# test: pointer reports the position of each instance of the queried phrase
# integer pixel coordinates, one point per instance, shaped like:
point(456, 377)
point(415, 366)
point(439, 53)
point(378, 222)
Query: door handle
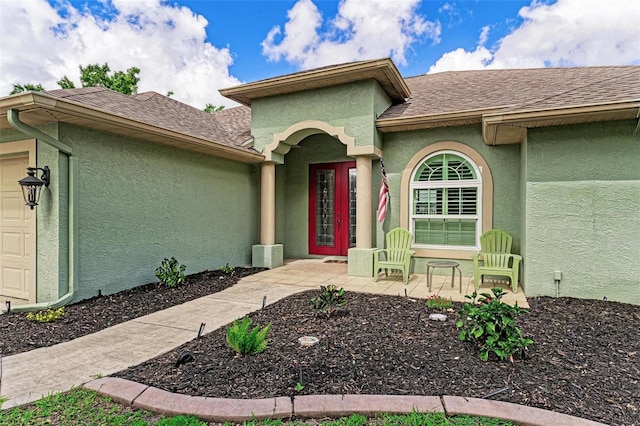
point(339, 221)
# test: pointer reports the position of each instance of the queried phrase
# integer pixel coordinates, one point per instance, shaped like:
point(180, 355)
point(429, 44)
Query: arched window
point(445, 209)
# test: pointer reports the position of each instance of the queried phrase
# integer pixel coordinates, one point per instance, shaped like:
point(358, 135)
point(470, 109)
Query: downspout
point(14, 120)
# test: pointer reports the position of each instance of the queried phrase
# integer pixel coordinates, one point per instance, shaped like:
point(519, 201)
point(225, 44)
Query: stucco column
point(268, 204)
point(363, 202)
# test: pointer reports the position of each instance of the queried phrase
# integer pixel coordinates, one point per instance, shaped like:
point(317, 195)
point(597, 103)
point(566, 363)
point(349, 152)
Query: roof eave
point(511, 127)
point(30, 101)
point(430, 121)
point(383, 70)
point(500, 127)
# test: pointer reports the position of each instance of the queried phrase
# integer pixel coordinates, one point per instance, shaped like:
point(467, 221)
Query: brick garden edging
point(313, 406)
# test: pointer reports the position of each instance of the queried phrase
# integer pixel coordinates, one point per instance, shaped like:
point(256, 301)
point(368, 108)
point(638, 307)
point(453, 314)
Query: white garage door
point(17, 234)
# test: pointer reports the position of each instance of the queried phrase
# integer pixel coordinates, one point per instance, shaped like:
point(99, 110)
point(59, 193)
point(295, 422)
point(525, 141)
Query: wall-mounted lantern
point(31, 185)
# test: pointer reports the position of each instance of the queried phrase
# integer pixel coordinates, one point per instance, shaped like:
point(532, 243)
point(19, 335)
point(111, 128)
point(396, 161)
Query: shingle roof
point(517, 89)
point(229, 127)
point(237, 122)
point(497, 91)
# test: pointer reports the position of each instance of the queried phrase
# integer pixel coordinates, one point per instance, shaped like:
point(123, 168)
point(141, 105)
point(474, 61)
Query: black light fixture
point(31, 185)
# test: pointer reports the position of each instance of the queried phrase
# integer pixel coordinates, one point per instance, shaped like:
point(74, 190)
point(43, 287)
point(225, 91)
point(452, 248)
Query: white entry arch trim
point(282, 142)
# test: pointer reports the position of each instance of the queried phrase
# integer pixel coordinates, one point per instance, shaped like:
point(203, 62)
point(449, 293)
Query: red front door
point(332, 208)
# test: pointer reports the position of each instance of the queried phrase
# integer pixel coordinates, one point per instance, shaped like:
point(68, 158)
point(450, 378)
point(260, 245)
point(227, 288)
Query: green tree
point(19, 88)
point(211, 108)
point(65, 83)
point(95, 75)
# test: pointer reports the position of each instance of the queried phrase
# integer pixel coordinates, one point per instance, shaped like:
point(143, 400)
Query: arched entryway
point(335, 225)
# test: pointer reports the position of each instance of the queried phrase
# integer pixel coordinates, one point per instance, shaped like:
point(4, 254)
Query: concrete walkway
point(28, 376)
point(311, 273)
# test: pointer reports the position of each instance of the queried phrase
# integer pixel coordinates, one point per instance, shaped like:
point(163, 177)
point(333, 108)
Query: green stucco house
point(549, 155)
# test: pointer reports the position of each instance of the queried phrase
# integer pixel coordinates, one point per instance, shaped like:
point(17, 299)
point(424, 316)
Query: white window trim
point(485, 197)
point(471, 183)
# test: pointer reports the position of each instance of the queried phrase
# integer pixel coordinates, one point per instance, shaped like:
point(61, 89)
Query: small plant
point(229, 270)
point(170, 272)
point(46, 316)
point(331, 299)
point(438, 302)
point(299, 387)
point(491, 326)
point(245, 341)
point(3, 399)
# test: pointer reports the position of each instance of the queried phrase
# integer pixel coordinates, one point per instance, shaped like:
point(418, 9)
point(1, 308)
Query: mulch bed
point(585, 360)
point(20, 335)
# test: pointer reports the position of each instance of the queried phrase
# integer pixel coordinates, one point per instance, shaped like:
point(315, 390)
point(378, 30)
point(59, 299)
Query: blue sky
point(243, 25)
point(193, 48)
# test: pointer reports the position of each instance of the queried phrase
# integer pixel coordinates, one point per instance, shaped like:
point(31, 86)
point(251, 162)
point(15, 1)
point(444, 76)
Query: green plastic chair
point(397, 254)
point(497, 260)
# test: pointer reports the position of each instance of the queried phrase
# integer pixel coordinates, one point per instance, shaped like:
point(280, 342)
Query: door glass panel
point(325, 209)
point(352, 207)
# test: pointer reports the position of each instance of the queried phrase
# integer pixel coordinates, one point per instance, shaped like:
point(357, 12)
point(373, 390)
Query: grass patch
point(415, 419)
point(79, 406)
point(82, 406)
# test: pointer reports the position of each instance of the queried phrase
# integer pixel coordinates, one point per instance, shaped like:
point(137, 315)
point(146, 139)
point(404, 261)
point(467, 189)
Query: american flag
point(383, 199)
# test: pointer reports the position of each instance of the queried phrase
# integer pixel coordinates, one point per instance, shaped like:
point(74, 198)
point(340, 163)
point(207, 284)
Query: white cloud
point(484, 36)
point(461, 59)
point(451, 10)
point(41, 43)
point(360, 30)
point(301, 36)
point(565, 33)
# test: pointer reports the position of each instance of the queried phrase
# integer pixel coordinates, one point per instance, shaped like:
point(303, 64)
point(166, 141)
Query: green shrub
point(491, 326)
point(170, 272)
point(244, 341)
point(438, 302)
point(228, 270)
point(331, 299)
point(46, 316)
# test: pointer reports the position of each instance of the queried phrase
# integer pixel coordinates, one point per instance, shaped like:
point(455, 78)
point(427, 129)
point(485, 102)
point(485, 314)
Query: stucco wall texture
point(590, 232)
point(350, 106)
point(582, 211)
point(53, 226)
point(139, 202)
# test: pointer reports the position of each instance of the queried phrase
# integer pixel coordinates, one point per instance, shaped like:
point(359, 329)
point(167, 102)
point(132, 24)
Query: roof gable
point(383, 71)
